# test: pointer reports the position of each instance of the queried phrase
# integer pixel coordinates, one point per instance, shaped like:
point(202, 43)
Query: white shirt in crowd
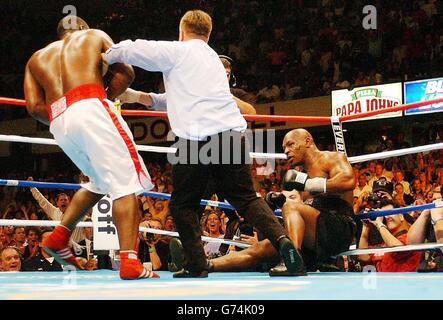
point(54, 213)
point(199, 101)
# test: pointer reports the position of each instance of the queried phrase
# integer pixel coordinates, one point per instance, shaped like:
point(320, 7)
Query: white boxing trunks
point(93, 134)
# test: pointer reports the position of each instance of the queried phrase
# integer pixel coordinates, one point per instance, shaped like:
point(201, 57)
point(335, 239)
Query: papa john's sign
point(365, 99)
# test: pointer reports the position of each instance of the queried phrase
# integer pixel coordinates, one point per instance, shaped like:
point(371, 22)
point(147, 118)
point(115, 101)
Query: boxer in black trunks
point(316, 206)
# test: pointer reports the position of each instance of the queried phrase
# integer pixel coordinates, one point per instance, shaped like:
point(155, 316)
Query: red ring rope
point(20, 102)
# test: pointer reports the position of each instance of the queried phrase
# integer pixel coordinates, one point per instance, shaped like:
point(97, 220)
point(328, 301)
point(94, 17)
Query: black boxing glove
point(300, 181)
point(275, 200)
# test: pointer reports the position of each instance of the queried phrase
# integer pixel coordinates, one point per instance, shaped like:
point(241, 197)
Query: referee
point(202, 111)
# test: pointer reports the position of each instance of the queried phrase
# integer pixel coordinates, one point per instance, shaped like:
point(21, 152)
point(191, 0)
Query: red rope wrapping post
point(20, 102)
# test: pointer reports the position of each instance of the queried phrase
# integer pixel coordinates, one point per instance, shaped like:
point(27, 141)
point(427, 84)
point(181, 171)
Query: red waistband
point(85, 91)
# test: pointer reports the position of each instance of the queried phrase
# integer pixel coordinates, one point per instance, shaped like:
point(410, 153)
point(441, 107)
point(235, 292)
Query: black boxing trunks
point(336, 228)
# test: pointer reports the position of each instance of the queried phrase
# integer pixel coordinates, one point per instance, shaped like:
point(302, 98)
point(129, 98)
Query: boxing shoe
point(293, 264)
point(281, 271)
point(57, 246)
point(131, 268)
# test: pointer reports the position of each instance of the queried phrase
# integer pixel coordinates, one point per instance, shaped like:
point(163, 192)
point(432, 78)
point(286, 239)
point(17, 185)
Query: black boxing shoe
point(281, 271)
point(292, 265)
point(183, 273)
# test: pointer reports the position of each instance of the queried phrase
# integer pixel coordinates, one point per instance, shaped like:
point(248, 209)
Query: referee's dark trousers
point(232, 175)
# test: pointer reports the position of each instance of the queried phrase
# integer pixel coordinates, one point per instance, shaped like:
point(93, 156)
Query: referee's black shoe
point(183, 273)
point(177, 255)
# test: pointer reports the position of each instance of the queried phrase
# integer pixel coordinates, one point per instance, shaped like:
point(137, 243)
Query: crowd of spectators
point(412, 179)
point(281, 49)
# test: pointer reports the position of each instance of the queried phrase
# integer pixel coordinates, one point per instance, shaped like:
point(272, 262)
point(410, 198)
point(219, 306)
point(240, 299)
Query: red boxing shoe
point(57, 246)
point(131, 268)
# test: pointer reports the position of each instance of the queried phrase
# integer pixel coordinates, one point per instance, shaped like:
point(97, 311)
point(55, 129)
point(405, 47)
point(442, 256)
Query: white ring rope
point(241, 244)
point(83, 224)
point(356, 159)
point(256, 155)
point(409, 247)
point(395, 153)
point(14, 138)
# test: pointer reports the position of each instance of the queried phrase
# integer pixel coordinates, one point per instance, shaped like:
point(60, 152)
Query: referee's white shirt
point(199, 101)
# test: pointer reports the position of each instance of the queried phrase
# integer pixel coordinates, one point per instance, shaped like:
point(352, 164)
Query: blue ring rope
point(388, 212)
point(74, 186)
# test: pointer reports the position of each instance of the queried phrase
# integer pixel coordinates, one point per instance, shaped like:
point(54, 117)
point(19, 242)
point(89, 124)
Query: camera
point(378, 200)
point(150, 237)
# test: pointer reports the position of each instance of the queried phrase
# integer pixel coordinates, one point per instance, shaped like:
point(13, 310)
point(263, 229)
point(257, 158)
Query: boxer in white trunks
point(64, 88)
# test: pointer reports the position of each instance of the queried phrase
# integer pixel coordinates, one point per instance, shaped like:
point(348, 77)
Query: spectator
point(213, 228)
point(8, 232)
point(32, 242)
point(10, 259)
point(56, 212)
point(362, 187)
point(3, 240)
point(269, 93)
point(378, 173)
point(158, 208)
point(425, 185)
point(169, 224)
point(416, 190)
point(399, 178)
point(393, 233)
point(401, 199)
point(42, 261)
point(428, 227)
point(151, 248)
point(20, 239)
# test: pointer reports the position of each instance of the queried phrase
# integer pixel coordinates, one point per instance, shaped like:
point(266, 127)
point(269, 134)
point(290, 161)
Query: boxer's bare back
point(66, 64)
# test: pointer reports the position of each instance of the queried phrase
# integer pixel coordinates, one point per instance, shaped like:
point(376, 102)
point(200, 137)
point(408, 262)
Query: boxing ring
point(232, 286)
point(106, 284)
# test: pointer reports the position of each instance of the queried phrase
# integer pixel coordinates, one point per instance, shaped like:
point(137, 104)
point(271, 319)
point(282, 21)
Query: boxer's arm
point(35, 98)
point(245, 108)
point(149, 55)
point(341, 175)
point(116, 77)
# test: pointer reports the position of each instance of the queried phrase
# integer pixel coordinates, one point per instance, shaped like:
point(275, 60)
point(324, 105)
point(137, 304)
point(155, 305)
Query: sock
point(61, 234)
point(128, 254)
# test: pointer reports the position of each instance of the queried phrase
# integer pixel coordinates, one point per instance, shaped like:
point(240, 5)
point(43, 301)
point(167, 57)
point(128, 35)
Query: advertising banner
point(365, 99)
point(424, 90)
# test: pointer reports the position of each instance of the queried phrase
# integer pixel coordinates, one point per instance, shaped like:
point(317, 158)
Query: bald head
point(299, 134)
point(70, 24)
point(296, 143)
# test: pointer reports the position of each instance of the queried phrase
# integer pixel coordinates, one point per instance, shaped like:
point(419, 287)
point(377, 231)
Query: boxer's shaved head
point(70, 24)
point(296, 143)
point(300, 135)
